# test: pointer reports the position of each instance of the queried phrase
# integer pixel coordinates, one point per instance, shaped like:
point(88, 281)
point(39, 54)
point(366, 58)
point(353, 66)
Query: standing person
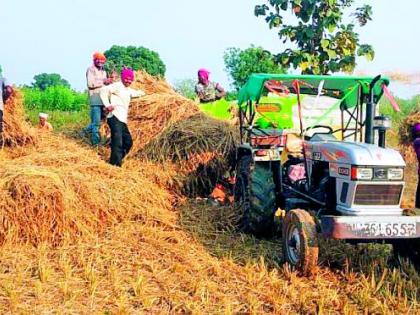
point(116, 98)
point(206, 90)
point(43, 124)
point(96, 78)
point(415, 132)
point(5, 92)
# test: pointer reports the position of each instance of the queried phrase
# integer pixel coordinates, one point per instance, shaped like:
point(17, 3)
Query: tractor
point(313, 163)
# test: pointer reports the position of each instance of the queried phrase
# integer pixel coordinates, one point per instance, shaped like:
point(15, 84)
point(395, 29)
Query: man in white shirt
point(116, 98)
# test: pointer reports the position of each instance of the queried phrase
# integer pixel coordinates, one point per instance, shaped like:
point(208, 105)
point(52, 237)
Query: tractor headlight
point(395, 173)
point(361, 173)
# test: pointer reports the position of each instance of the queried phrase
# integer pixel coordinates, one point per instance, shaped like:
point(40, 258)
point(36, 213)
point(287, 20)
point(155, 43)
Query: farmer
point(5, 92)
point(96, 78)
point(116, 98)
point(206, 90)
point(43, 124)
point(416, 143)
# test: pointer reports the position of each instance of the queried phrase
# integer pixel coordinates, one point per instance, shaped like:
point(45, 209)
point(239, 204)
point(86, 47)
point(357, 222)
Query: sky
point(57, 36)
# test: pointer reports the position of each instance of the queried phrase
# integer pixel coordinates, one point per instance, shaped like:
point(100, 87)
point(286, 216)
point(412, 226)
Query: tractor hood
point(353, 153)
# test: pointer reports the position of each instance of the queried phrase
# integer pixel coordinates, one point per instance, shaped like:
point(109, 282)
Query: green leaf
point(367, 51)
point(331, 53)
point(370, 56)
point(324, 43)
point(331, 28)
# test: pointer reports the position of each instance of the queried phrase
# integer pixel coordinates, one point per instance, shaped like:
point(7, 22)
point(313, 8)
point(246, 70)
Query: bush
point(186, 88)
point(406, 106)
point(54, 98)
point(231, 95)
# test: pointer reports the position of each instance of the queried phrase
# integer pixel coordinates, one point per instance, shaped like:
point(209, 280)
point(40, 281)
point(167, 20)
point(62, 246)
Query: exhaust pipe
point(370, 112)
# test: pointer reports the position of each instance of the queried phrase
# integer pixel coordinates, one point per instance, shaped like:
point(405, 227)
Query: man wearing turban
point(116, 98)
point(96, 78)
point(44, 125)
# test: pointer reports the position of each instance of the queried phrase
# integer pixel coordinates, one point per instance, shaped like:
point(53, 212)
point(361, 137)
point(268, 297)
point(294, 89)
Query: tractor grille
point(385, 195)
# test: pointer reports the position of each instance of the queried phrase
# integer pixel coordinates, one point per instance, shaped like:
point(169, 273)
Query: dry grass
point(109, 240)
point(153, 113)
point(17, 131)
point(405, 146)
point(58, 189)
point(201, 266)
point(203, 147)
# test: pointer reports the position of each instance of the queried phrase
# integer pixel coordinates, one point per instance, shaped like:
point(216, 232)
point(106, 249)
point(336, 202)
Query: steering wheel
point(330, 130)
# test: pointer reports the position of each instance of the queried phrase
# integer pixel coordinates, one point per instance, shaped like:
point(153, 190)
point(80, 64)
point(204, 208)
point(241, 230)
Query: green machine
point(310, 176)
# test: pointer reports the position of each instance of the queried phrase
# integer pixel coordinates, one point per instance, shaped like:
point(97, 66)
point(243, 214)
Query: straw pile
point(58, 190)
point(203, 147)
point(16, 131)
point(153, 113)
point(150, 84)
point(169, 127)
point(405, 138)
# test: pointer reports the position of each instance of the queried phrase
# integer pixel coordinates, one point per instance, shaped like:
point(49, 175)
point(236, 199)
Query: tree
point(137, 58)
point(1, 70)
point(240, 64)
point(44, 80)
point(323, 42)
point(186, 88)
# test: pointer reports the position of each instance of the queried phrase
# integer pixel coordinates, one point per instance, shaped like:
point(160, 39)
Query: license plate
point(382, 229)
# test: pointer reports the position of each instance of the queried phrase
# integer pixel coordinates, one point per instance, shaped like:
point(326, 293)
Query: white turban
point(43, 115)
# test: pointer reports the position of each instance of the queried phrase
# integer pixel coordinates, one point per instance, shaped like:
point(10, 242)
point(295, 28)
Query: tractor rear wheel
point(255, 196)
point(300, 241)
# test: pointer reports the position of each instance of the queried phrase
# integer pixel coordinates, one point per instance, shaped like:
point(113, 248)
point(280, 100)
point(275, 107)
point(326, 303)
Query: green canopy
point(335, 86)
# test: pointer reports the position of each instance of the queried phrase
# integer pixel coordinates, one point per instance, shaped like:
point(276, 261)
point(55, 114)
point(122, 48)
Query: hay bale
point(16, 131)
point(203, 147)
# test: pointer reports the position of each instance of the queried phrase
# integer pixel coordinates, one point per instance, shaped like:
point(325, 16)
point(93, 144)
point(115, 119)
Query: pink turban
point(127, 73)
point(204, 74)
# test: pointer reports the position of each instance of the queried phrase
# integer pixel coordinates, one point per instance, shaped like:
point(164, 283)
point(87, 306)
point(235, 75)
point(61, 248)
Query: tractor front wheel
point(300, 241)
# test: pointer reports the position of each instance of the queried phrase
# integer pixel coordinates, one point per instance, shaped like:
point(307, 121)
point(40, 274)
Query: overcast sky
point(60, 36)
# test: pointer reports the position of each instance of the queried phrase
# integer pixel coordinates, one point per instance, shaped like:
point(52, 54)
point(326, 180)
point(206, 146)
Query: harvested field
point(122, 240)
point(200, 266)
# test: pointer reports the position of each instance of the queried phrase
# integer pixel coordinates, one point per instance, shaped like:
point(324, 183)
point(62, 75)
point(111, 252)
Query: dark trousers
point(418, 194)
point(121, 141)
